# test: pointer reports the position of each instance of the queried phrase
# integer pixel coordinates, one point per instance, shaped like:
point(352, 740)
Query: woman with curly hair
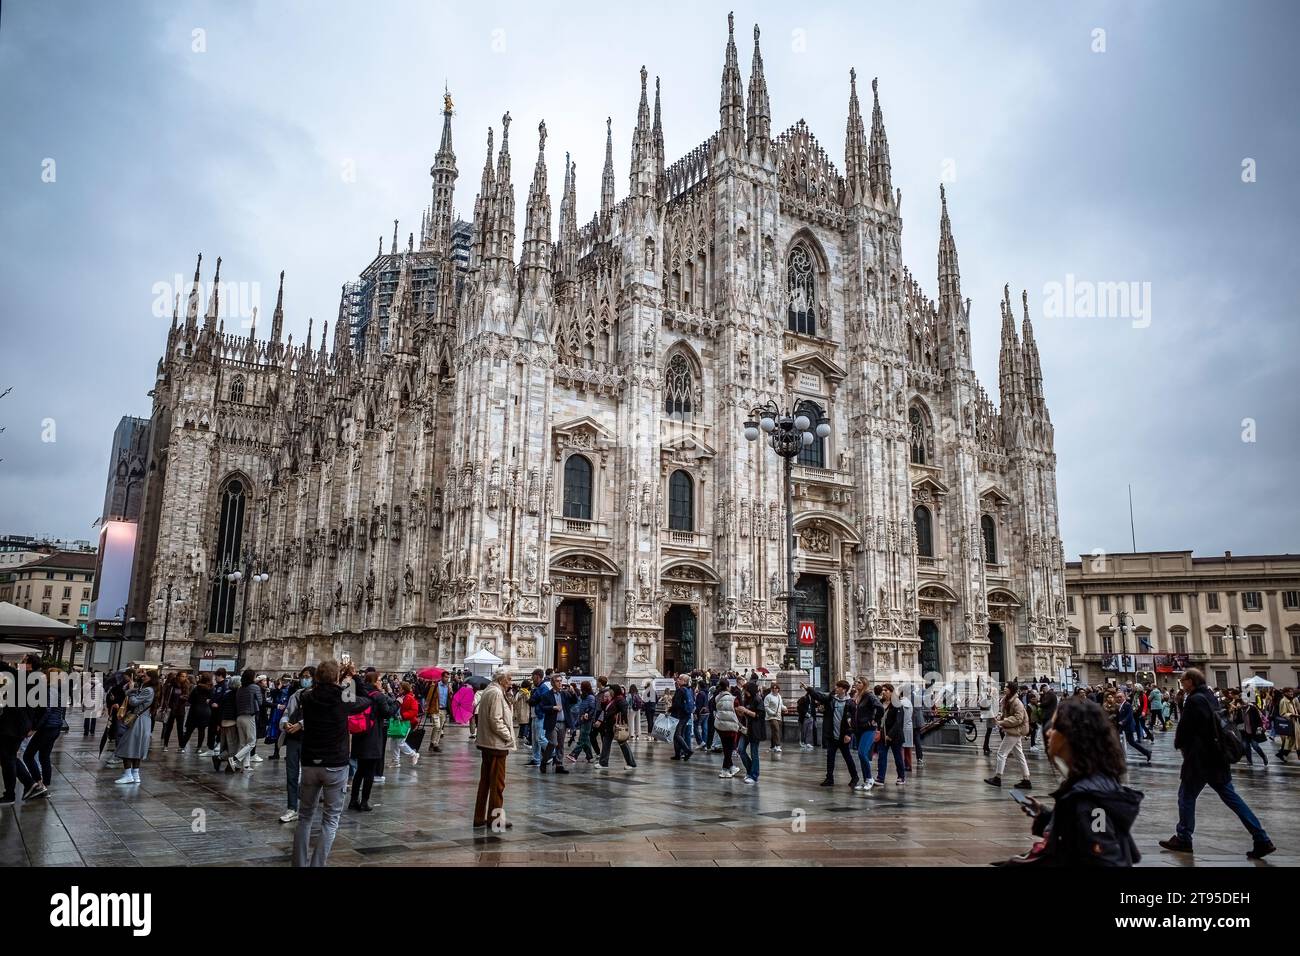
point(1092, 820)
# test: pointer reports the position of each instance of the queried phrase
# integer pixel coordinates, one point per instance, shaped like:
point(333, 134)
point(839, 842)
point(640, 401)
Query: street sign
point(807, 632)
point(805, 658)
point(209, 653)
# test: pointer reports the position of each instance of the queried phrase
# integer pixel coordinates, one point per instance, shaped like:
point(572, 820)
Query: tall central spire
point(731, 109)
point(437, 232)
point(758, 119)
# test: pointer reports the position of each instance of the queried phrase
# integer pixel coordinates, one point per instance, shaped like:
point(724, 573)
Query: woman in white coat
point(904, 701)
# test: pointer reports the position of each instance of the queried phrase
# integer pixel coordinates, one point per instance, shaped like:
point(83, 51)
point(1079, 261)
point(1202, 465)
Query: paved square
point(665, 812)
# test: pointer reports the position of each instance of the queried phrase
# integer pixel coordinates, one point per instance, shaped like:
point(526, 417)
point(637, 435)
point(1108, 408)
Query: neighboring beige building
point(1183, 607)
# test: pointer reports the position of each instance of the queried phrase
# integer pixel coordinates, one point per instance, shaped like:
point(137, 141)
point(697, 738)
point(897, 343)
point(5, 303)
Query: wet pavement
point(664, 813)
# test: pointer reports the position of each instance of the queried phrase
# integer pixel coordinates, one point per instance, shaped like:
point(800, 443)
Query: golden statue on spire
point(446, 100)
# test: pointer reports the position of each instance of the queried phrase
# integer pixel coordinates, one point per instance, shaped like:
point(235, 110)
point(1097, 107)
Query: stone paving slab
point(666, 813)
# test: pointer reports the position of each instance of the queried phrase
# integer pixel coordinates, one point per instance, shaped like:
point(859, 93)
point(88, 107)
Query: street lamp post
point(1123, 622)
point(1235, 633)
point(166, 600)
point(244, 566)
point(788, 432)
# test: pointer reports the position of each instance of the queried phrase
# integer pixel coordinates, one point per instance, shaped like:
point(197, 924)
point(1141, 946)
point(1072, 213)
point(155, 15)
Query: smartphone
point(1022, 798)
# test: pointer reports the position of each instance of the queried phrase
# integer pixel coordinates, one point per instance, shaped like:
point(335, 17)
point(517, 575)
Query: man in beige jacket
point(496, 739)
point(1014, 721)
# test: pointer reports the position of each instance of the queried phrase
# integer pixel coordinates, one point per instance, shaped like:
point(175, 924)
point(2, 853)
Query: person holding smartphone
point(1092, 820)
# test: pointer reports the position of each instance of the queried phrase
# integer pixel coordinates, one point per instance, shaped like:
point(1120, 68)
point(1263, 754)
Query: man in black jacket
point(16, 723)
point(838, 713)
point(323, 726)
point(682, 706)
point(1205, 765)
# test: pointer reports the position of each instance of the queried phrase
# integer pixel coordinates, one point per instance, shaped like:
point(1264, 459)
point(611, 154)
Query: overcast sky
point(290, 135)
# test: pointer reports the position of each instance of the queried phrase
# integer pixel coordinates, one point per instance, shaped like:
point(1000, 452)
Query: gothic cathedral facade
point(545, 457)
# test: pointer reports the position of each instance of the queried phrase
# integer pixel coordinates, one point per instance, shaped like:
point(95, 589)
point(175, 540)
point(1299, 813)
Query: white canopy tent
point(23, 625)
point(1253, 685)
point(482, 662)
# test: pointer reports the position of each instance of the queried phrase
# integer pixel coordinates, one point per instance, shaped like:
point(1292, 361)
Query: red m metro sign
point(807, 632)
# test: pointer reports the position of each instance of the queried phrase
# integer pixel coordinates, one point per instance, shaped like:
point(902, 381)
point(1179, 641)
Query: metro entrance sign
point(807, 632)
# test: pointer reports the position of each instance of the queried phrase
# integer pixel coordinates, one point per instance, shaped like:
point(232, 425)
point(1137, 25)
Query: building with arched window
point(524, 432)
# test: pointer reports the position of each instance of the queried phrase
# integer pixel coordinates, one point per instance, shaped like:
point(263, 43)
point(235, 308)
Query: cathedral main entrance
point(572, 637)
point(997, 656)
point(814, 606)
point(680, 629)
point(930, 663)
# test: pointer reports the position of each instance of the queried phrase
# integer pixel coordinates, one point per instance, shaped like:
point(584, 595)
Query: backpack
point(363, 721)
point(1229, 744)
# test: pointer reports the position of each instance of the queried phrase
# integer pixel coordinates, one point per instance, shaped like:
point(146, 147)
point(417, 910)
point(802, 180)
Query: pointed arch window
point(230, 532)
point(681, 502)
point(924, 531)
point(920, 436)
point(237, 389)
point(801, 284)
point(989, 530)
point(679, 387)
point(577, 487)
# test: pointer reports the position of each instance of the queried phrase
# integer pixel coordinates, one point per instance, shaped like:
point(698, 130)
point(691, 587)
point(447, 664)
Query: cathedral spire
point(1033, 368)
point(341, 327)
point(949, 272)
point(567, 241)
point(879, 155)
point(536, 256)
point(214, 300)
point(436, 234)
point(483, 204)
point(393, 251)
point(192, 307)
point(731, 108)
point(856, 164)
point(643, 147)
point(758, 119)
point(277, 317)
point(503, 239)
point(1011, 377)
point(607, 177)
point(658, 138)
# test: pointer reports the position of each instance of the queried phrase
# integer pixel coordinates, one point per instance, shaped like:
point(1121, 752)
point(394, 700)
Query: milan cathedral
point(544, 456)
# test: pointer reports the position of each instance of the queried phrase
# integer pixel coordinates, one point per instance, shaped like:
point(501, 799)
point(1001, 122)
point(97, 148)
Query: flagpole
point(1131, 529)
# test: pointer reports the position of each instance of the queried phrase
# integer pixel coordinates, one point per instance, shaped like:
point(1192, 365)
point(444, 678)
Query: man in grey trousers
point(325, 751)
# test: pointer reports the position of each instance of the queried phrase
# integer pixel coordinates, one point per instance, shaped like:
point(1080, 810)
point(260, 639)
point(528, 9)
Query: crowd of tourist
point(335, 727)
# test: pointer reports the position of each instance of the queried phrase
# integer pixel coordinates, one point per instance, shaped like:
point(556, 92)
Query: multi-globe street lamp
point(788, 432)
point(236, 569)
point(1122, 621)
point(165, 600)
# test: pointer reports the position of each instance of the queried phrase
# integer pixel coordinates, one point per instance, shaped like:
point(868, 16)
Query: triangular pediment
point(686, 448)
point(815, 363)
point(928, 485)
point(586, 425)
point(994, 495)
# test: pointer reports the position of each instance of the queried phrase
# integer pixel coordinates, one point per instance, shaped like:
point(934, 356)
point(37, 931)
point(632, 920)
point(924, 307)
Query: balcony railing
point(685, 539)
point(578, 527)
point(827, 476)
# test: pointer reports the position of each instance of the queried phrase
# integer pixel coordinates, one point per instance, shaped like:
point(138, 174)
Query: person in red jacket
point(409, 709)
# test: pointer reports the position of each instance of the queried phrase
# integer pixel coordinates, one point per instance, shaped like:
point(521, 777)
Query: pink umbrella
point(462, 705)
point(430, 673)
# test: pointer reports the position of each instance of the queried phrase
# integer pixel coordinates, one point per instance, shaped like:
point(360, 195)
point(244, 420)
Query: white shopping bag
point(664, 728)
